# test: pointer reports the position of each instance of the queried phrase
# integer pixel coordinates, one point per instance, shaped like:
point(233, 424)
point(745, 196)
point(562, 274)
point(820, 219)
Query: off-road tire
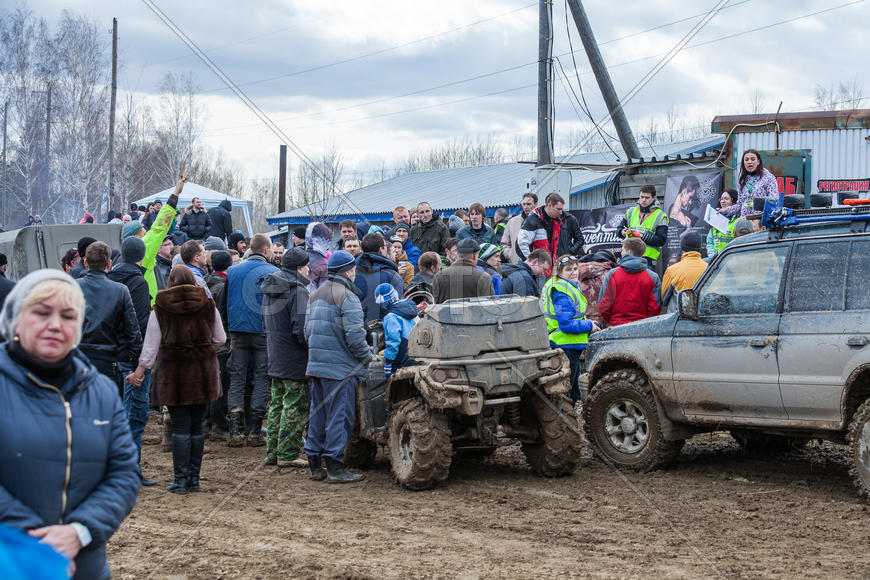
point(859, 450)
point(558, 451)
point(359, 452)
point(617, 391)
point(420, 446)
point(765, 443)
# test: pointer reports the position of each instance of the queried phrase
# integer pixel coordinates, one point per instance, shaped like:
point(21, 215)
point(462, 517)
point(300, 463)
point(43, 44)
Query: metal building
point(815, 152)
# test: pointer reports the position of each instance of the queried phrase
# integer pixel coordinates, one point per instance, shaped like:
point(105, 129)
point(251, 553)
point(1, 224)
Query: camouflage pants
point(288, 413)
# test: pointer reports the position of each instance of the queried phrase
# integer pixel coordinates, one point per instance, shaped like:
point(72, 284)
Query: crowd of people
point(250, 342)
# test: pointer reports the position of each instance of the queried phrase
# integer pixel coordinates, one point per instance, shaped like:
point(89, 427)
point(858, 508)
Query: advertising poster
point(600, 227)
point(686, 199)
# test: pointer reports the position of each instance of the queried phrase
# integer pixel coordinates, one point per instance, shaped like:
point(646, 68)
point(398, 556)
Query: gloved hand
point(388, 368)
point(647, 237)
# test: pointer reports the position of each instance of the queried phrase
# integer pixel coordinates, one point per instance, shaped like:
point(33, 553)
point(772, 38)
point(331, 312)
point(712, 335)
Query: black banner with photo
point(686, 199)
point(601, 227)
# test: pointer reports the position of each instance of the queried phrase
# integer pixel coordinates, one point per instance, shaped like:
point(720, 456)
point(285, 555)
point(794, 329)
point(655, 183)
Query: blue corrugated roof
point(671, 150)
point(450, 189)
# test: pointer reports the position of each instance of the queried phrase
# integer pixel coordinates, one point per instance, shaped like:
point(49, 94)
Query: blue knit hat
point(385, 294)
point(339, 262)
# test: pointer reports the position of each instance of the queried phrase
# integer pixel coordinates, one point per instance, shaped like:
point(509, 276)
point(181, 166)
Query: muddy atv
point(482, 371)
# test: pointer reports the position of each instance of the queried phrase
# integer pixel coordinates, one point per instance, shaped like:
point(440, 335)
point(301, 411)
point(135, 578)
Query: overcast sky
point(358, 106)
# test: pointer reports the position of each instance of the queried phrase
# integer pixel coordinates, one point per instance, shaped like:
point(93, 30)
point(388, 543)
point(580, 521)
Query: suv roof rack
point(777, 217)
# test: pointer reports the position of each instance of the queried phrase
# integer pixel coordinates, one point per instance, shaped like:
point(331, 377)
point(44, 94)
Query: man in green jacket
point(153, 238)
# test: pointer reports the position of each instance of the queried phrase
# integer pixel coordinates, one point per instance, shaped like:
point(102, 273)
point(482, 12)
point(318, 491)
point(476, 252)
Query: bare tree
point(756, 102)
point(846, 95)
point(178, 127)
point(80, 105)
point(25, 41)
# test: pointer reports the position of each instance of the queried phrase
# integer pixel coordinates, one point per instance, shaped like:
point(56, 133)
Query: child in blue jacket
point(398, 317)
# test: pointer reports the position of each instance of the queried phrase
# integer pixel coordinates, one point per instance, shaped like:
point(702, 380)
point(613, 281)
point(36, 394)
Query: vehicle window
point(744, 283)
point(818, 277)
point(858, 277)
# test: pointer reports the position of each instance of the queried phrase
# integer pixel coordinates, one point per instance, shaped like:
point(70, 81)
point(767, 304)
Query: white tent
point(209, 198)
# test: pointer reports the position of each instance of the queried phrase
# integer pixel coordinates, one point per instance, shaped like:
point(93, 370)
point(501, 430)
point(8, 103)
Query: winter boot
point(338, 474)
point(317, 471)
point(235, 438)
point(255, 431)
point(300, 461)
point(166, 444)
point(197, 445)
point(180, 463)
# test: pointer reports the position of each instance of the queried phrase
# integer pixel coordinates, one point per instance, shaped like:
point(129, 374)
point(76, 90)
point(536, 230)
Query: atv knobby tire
point(622, 423)
point(766, 444)
point(557, 451)
point(859, 450)
point(420, 446)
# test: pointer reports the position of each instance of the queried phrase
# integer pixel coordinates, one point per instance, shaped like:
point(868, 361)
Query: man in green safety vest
point(648, 222)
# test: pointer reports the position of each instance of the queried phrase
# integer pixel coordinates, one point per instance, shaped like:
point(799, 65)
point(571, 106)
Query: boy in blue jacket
point(398, 317)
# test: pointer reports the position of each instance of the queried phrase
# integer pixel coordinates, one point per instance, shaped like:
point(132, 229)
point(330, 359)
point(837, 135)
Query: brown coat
point(461, 280)
point(188, 369)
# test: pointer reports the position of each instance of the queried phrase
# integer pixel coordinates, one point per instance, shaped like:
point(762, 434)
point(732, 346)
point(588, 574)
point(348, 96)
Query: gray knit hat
point(11, 313)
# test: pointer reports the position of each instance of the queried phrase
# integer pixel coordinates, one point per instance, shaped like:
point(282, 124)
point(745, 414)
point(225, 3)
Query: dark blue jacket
point(103, 474)
point(518, 279)
point(372, 270)
point(244, 296)
point(412, 251)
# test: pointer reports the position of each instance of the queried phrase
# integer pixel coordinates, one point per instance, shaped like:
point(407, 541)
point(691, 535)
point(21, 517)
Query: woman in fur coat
point(183, 330)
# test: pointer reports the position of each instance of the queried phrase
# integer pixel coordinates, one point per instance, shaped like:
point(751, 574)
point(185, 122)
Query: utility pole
point(3, 196)
point(623, 129)
point(545, 83)
point(112, 113)
point(282, 180)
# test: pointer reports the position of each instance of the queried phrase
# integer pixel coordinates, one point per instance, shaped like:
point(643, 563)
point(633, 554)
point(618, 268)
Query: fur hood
point(183, 299)
point(189, 209)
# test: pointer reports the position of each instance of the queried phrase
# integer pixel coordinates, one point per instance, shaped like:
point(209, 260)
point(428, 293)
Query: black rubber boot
point(256, 438)
point(338, 474)
point(197, 445)
point(235, 438)
point(316, 467)
point(180, 463)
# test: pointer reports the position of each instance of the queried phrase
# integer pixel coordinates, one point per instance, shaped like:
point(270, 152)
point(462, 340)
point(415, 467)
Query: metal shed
point(831, 148)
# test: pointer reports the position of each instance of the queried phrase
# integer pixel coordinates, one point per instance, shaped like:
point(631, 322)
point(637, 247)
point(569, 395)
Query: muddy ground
point(717, 512)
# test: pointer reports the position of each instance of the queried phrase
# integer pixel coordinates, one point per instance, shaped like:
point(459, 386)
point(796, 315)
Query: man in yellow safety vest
point(648, 222)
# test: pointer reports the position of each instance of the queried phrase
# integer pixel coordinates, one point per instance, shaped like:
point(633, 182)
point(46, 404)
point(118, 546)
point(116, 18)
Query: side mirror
point(687, 302)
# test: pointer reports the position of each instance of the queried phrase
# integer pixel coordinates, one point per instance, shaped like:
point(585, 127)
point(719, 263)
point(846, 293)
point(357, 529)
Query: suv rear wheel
point(622, 423)
point(859, 449)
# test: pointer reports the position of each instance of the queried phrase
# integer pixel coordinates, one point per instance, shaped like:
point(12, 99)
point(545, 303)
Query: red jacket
point(630, 292)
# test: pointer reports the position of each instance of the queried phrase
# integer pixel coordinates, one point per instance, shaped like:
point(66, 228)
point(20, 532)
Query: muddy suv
point(483, 368)
point(771, 343)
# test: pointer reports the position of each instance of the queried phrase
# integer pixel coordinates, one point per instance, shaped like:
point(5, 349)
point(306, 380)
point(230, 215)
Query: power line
point(476, 77)
point(248, 102)
point(625, 63)
point(377, 52)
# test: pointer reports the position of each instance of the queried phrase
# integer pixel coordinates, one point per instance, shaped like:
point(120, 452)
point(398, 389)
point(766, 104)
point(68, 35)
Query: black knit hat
point(221, 261)
point(299, 232)
point(294, 258)
point(84, 243)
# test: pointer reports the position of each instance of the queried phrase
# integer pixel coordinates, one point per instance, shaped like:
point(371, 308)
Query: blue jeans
point(573, 354)
point(136, 402)
point(331, 416)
